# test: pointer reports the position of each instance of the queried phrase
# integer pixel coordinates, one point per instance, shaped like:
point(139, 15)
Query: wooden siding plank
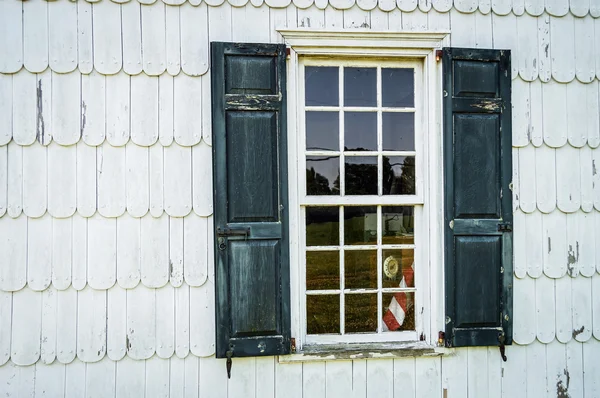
point(9, 377)
point(562, 39)
point(35, 180)
point(187, 103)
point(265, 377)
point(595, 182)
point(521, 113)
point(485, 6)
point(49, 325)
point(178, 180)
point(536, 369)
point(404, 378)
point(313, 379)
point(13, 250)
point(191, 376)
point(79, 245)
point(252, 23)
point(505, 38)
point(35, 36)
point(576, 111)
point(62, 173)
point(428, 380)
point(85, 179)
point(579, 8)
point(26, 327)
point(555, 244)
point(557, 8)
point(157, 374)
point(591, 380)
point(338, 379)
point(116, 323)
point(527, 46)
point(311, 17)
point(194, 39)
point(520, 244)
point(66, 325)
point(141, 322)
point(454, 376)
point(545, 309)
point(62, 37)
point(85, 45)
point(465, 6)
point(108, 58)
point(555, 114)
point(494, 376)
point(380, 20)
point(132, 37)
point(501, 7)
point(11, 37)
point(137, 175)
point(156, 167)
point(556, 366)
point(117, 109)
point(44, 107)
point(545, 175)
point(585, 245)
point(177, 377)
point(477, 371)
point(359, 377)
point(6, 109)
point(585, 68)
point(288, 380)
point(144, 109)
point(131, 377)
point(3, 178)
point(93, 108)
point(573, 239)
point(5, 330)
point(214, 378)
point(39, 252)
point(154, 39)
point(50, 379)
point(91, 324)
point(592, 114)
point(568, 179)
point(24, 108)
point(172, 40)
point(100, 379)
point(335, 19)
point(417, 21)
point(111, 180)
point(15, 179)
point(536, 118)
point(524, 311)
point(128, 251)
point(194, 250)
point(244, 382)
point(545, 67)
point(220, 27)
point(154, 254)
point(582, 308)
point(514, 378)
point(66, 110)
point(462, 32)
point(176, 250)
point(182, 321)
point(165, 109)
point(165, 325)
point(442, 5)
point(206, 111)
point(596, 305)
point(202, 323)
point(102, 252)
point(564, 318)
point(534, 7)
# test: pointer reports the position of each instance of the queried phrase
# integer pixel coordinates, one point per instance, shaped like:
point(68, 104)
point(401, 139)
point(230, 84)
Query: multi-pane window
point(361, 198)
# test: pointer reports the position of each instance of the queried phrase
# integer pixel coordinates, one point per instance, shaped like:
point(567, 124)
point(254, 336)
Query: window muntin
point(361, 196)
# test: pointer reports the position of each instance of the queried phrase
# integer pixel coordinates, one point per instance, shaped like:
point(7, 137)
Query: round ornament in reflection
point(390, 267)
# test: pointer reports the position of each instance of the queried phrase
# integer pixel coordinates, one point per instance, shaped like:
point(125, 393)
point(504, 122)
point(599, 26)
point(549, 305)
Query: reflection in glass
point(360, 225)
point(322, 314)
point(322, 175)
point(360, 87)
point(361, 175)
point(398, 175)
point(322, 84)
point(361, 313)
point(398, 87)
point(360, 269)
point(398, 131)
point(322, 226)
point(398, 225)
point(360, 131)
point(398, 311)
point(398, 269)
point(322, 270)
point(322, 131)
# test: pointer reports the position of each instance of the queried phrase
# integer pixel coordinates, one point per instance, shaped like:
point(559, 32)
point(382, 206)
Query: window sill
point(330, 352)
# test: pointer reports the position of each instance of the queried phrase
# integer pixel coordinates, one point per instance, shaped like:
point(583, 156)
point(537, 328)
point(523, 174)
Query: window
point(361, 149)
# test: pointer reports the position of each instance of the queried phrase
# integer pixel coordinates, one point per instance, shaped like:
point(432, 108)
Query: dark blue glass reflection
point(321, 85)
point(322, 131)
point(398, 87)
point(360, 87)
point(398, 131)
point(360, 131)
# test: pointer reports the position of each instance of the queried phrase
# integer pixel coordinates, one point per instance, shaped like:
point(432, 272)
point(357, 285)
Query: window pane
point(322, 226)
point(322, 270)
point(398, 225)
point(398, 270)
point(398, 131)
point(360, 269)
point(322, 314)
point(399, 175)
point(322, 131)
point(360, 131)
point(398, 311)
point(361, 175)
point(361, 313)
point(360, 225)
point(360, 87)
point(398, 87)
point(322, 175)
point(322, 84)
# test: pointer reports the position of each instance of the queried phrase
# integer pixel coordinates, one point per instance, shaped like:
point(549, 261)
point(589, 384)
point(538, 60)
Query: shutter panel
point(250, 199)
point(478, 201)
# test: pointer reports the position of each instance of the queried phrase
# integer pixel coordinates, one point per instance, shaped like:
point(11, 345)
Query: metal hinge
point(293, 345)
point(504, 227)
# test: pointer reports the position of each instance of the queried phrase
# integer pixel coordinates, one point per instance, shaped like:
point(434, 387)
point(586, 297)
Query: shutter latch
point(229, 354)
point(501, 340)
point(504, 227)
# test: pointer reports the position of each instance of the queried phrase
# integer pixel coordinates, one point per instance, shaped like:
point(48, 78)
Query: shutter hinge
point(293, 345)
point(229, 362)
point(504, 227)
point(501, 340)
point(438, 55)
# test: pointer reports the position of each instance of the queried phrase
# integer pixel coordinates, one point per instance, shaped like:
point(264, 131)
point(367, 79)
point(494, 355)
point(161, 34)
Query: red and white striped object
point(396, 312)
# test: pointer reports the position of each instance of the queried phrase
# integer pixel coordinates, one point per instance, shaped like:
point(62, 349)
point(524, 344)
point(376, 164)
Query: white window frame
point(400, 46)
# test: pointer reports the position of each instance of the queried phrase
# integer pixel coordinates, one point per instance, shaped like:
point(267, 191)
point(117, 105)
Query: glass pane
point(398, 268)
point(360, 225)
point(398, 311)
point(361, 175)
point(398, 87)
point(322, 270)
point(398, 225)
point(322, 85)
point(361, 313)
point(322, 226)
point(322, 314)
point(360, 87)
point(398, 131)
point(399, 175)
point(360, 269)
point(322, 175)
point(360, 131)
point(322, 131)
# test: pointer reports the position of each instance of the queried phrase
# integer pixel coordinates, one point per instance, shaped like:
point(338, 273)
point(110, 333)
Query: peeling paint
point(571, 260)
point(594, 171)
point(549, 245)
point(546, 49)
point(562, 391)
point(487, 105)
point(83, 117)
point(577, 332)
point(40, 125)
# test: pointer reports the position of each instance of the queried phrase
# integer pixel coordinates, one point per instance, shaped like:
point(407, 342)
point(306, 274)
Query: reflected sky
point(322, 131)
point(360, 131)
point(322, 85)
point(398, 131)
point(322, 175)
point(397, 87)
point(360, 86)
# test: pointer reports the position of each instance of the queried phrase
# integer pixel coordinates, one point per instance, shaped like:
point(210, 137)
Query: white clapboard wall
point(106, 270)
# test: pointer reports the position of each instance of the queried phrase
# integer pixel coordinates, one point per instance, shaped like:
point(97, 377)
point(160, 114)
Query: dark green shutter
point(478, 200)
point(250, 199)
